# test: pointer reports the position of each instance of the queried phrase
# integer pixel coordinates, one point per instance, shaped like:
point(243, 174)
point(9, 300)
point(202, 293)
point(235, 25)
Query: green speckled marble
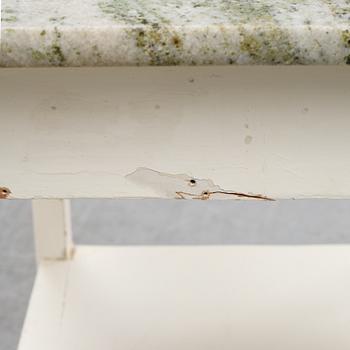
point(174, 32)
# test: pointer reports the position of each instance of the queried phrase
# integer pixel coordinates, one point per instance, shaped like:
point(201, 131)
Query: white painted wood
point(278, 131)
point(52, 229)
point(156, 298)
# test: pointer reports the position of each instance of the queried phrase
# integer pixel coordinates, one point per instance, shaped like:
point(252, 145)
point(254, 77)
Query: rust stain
point(4, 192)
point(206, 195)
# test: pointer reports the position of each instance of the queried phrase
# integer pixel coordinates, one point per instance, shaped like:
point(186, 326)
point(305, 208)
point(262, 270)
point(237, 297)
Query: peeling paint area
point(183, 186)
point(4, 192)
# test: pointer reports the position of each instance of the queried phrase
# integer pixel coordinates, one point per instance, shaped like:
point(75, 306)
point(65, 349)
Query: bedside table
point(201, 100)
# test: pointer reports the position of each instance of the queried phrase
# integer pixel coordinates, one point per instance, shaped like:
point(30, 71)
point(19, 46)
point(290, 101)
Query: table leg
point(52, 229)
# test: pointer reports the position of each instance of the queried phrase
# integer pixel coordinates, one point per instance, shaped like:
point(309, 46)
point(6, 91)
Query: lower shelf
point(157, 298)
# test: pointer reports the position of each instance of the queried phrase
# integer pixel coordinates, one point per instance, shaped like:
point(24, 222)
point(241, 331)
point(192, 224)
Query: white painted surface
point(278, 131)
point(52, 229)
point(238, 297)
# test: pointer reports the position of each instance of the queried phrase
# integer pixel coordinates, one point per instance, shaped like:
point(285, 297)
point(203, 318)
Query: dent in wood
point(183, 186)
point(4, 192)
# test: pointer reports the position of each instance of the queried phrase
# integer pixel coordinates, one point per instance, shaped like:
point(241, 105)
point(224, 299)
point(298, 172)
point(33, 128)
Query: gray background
point(158, 222)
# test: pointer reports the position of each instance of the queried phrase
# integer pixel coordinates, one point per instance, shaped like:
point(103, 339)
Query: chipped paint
point(221, 195)
point(183, 186)
point(4, 192)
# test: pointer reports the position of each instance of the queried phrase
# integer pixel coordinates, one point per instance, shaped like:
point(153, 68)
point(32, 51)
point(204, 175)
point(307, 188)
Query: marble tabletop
point(174, 32)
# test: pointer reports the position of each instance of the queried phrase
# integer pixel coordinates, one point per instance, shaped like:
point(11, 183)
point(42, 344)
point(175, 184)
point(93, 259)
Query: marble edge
point(142, 45)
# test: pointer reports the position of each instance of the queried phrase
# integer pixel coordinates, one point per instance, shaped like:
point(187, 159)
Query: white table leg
point(52, 229)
